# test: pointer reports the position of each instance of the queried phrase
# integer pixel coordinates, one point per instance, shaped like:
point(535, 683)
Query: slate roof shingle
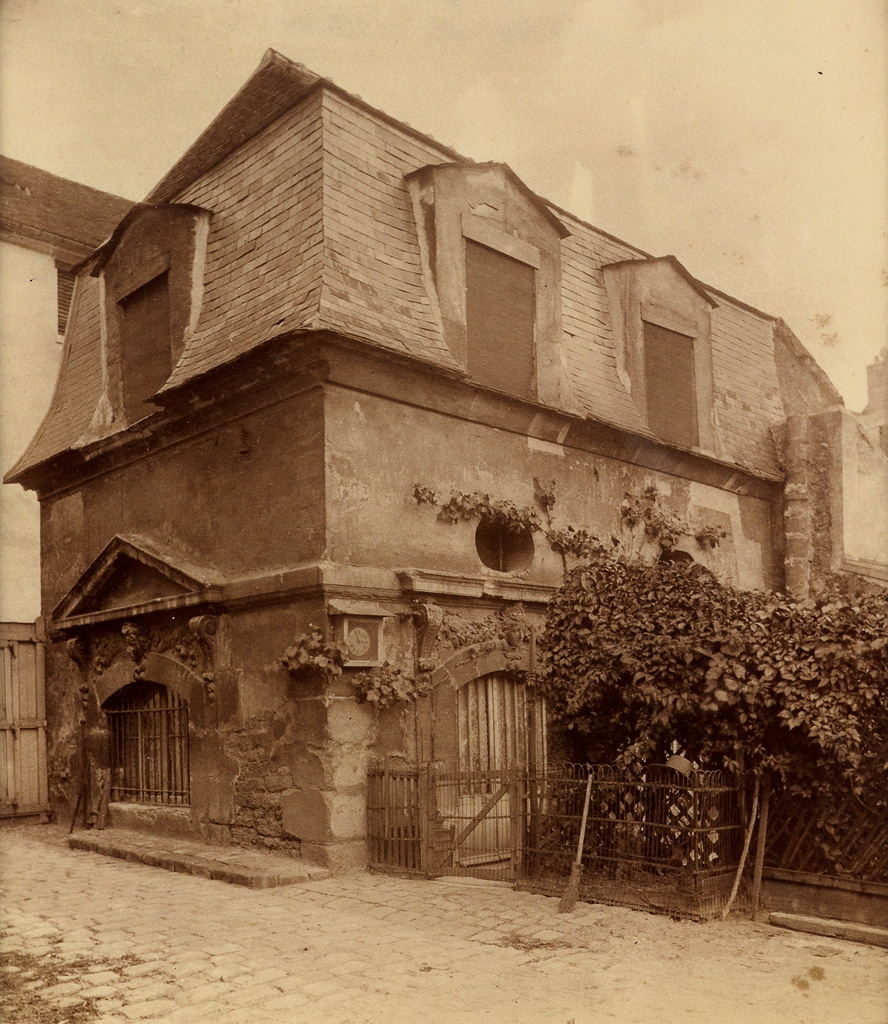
point(313, 228)
point(52, 214)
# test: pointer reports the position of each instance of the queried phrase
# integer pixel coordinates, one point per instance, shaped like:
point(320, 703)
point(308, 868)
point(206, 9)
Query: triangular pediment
point(683, 277)
point(134, 575)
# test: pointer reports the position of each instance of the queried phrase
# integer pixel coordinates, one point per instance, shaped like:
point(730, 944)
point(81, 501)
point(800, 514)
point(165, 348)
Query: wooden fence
point(845, 840)
point(23, 781)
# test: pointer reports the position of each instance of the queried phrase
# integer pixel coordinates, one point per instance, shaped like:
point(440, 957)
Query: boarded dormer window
point(670, 384)
point(500, 305)
point(145, 353)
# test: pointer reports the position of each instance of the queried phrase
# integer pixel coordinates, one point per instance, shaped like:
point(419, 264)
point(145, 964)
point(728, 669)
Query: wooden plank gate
point(23, 777)
point(430, 821)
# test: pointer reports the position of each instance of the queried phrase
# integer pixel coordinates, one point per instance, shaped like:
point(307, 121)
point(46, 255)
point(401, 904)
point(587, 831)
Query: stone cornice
point(287, 366)
point(348, 589)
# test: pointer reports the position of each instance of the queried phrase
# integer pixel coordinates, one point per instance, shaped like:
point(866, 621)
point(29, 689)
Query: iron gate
point(657, 840)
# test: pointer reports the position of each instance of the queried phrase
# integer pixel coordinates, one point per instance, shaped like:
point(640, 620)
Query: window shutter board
point(500, 307)
point(64, 294)
point(146, 356)
point(670, 384)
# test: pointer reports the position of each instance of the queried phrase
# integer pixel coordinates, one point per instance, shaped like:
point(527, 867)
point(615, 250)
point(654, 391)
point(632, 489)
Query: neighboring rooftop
point(54, 215)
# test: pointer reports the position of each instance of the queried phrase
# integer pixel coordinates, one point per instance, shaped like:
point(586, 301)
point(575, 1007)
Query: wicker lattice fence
point(656, 840)
point(846, 839)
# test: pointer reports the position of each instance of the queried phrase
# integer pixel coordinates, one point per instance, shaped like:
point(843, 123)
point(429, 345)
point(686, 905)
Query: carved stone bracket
point(78, 652)
point(203, 629)
point(428, 618)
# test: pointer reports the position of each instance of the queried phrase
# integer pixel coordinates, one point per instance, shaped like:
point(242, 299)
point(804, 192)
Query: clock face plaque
point(362, 638)
point(358, 642)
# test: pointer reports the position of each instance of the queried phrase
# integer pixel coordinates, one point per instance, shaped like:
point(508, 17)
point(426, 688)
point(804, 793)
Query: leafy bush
point(636, 656)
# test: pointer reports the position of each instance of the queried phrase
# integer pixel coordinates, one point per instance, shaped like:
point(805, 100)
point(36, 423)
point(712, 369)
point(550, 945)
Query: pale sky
point(749, 138)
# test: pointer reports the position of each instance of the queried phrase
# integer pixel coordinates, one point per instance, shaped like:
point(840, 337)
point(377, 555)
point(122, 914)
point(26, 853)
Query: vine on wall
point(312, 653)
point(660, 524)
point(386, 685)
point(663, 525)
point(382, 686)
point(461, 507)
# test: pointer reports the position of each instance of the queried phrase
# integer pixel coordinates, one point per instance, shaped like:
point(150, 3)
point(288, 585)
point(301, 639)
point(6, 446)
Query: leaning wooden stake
point(80, 797)
point(761, 840)
point(746, 841)
point(569, 899)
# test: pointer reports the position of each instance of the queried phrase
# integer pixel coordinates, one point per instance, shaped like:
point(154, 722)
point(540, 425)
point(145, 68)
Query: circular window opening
point(676, 556)
point(504, 547)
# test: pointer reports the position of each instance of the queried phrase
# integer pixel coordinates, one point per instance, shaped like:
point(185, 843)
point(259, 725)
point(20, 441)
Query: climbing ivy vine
point(311, 652)
point(636, 656)
point(646, 510)
point(386, 685)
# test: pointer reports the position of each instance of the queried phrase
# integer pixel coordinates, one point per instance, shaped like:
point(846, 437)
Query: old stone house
point(317, 320)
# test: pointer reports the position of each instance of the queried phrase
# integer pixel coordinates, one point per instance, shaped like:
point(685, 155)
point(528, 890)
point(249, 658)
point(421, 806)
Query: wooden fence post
point(517, 814)
point(760, 845)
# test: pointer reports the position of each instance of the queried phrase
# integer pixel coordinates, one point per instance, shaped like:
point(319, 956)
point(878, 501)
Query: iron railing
point(656, 839)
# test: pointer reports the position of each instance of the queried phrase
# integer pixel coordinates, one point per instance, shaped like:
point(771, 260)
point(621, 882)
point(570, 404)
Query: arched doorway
point(148, 725)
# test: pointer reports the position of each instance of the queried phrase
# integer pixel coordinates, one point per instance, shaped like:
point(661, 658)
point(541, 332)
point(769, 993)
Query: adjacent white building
point(47, 225)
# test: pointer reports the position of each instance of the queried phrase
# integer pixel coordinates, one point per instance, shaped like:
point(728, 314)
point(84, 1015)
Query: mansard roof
point(313, 228)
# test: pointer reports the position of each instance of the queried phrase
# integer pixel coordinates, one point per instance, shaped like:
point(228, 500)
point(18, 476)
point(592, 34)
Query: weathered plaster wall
point(30, 350)
point(845, 507)
point(378, 450)
point(243, 498)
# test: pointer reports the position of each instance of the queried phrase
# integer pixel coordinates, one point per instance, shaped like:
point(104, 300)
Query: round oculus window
point(504, 547)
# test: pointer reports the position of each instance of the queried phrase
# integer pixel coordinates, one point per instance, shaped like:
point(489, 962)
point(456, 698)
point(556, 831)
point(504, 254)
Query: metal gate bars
point(433, 820)
point(656, 839)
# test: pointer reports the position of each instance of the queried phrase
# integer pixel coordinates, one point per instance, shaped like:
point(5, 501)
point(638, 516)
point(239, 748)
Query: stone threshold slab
point(833, 928)
point(221, 863)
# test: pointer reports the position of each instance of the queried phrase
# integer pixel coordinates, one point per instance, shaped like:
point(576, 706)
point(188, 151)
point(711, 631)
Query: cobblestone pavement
point(92, 938)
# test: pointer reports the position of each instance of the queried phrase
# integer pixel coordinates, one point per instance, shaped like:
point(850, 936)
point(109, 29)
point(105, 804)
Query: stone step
point(826, 926)
point(251, 868)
